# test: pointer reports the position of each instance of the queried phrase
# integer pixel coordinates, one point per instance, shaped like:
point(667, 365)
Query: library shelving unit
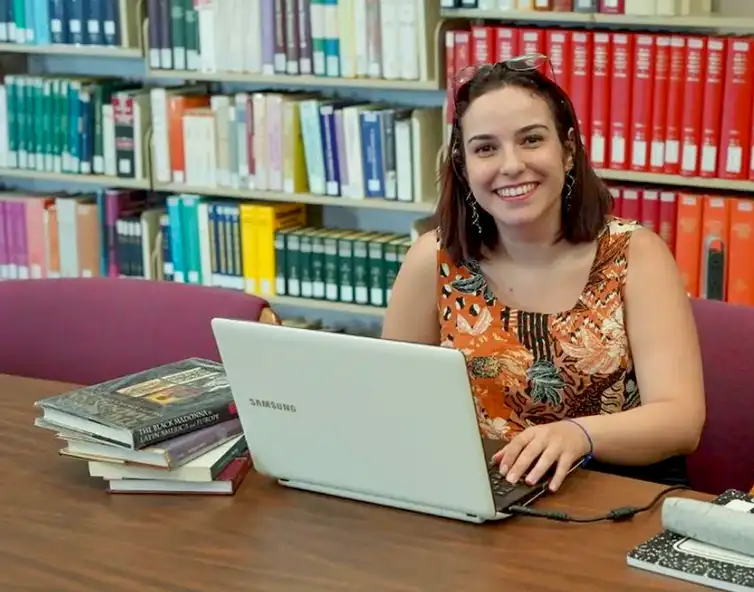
point(678, 159)
point(430, 80)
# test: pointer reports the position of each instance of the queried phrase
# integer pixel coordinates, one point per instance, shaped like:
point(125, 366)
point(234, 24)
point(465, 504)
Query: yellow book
point(259, 223)
point(295, 179)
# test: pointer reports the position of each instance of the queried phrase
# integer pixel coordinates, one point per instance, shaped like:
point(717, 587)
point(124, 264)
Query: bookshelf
point(230, 82)
point(66, 178)
point(324, 305)
point(82, 51)
point(296, 81)
point(678, 22)
point(304, 198)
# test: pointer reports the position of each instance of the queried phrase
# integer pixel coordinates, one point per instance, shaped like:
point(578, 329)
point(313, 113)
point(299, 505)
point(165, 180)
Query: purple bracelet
point(588, 437)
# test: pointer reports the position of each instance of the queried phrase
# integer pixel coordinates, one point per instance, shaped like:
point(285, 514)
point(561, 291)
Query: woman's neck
point(532, 244)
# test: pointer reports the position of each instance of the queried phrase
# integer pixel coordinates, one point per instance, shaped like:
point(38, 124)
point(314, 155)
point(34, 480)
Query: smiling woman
point(570, 350)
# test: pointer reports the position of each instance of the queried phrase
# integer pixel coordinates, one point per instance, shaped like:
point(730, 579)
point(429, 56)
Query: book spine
point(179, 451)
point(160, 431)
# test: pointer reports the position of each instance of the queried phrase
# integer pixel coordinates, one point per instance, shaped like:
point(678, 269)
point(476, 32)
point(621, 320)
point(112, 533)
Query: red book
point(612, 6)
point(581, 81)
point(617, 194)
point(674, 113)
point(531, 41)
point(630, 205)
point(735, 128)
point(641, 100)
point(461, 52)
point(668, 216)
point(506, 46)
point(558, 44)
point(712, 105)
point(450, 72)
point(659, 104)
point(693, 90)
point(621, 77)
point(600, 123)
point(650, 209)
point(482, 44)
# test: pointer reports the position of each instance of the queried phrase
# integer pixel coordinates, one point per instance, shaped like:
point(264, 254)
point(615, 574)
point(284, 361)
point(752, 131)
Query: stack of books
point(170, 429)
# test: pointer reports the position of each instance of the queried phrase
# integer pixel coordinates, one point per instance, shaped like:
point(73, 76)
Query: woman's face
point(515, 163)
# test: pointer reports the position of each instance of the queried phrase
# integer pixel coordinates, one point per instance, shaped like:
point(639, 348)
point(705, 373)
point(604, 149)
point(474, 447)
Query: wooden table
point(60, 532)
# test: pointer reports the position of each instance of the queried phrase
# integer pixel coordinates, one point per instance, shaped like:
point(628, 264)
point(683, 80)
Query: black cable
point(615, 515)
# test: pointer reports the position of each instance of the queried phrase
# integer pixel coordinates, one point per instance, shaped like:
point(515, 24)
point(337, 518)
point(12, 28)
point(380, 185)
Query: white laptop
point(368, 419)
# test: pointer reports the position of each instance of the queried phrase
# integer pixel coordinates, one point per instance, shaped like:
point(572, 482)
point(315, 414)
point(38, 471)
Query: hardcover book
point(170, 454)
point(680, 557)
point(148, 407)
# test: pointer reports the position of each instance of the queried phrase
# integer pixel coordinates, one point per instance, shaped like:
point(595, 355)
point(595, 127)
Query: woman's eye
point(531, 140)
point(484, 149)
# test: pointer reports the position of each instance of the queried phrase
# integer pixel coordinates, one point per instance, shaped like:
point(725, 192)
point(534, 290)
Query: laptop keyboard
point(500, 485)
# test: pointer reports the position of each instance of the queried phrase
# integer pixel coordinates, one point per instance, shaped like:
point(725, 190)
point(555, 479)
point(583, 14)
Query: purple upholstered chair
point(86, 331)
point(725, 457)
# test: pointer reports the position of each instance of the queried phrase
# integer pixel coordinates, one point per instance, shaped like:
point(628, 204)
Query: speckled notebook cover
point(677, 556)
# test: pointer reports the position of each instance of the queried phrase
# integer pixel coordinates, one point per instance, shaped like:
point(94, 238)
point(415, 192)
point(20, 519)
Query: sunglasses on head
point(523, 63)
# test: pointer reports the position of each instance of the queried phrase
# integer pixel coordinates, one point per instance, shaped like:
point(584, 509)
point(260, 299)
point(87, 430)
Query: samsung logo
point(273, 405)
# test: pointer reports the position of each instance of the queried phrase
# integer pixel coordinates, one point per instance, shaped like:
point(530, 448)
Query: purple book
point(168, 454)
point(268, 38)
point(4, 254)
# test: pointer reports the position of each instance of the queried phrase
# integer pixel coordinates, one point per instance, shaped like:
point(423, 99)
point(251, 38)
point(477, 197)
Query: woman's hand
point(536, 449)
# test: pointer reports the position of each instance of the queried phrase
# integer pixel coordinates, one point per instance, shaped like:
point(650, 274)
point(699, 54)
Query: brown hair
point(590, 201)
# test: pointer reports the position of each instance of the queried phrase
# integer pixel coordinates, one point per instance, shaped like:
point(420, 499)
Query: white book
point(204, 468)
point(411, 40)
point(108, 141)
point(348, 36)
point(361, 47)
point(677, 556)
point(251, 24)
point(404, 159)
point(259, 141)
point(206, 14)
point(391, 51)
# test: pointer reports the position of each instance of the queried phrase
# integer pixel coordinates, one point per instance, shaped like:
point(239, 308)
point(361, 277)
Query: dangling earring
point(570, 181)
point(474, 212)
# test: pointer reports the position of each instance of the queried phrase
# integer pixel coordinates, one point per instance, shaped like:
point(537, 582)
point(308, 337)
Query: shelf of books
point(648, 14)
point(388, 44)
point(109, 28)
point(200, 183)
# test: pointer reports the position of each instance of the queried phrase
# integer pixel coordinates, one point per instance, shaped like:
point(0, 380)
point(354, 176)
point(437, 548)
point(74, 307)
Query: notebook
point(680, 557)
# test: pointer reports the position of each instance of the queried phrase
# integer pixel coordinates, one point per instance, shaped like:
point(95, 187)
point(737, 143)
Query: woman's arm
point(412, 311)
point(665, 350)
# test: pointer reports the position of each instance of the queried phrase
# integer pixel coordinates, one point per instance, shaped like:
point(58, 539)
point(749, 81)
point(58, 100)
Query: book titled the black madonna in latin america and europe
point(147, 407)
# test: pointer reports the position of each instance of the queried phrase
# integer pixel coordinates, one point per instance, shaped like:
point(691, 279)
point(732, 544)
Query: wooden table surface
point(60, 532)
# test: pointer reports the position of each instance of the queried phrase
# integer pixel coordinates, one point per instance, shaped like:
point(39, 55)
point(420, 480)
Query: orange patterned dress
point(529, 368)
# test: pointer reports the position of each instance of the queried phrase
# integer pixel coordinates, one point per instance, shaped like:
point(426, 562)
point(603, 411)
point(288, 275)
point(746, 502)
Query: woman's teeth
point(516, 191)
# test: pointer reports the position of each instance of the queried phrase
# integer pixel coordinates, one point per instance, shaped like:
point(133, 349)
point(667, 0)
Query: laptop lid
point(366, 417)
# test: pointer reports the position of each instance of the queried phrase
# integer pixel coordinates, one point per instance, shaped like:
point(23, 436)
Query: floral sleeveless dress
point(529, 368)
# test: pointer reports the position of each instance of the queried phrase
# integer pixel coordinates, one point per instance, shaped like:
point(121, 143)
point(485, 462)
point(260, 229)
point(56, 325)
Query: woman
point(576, 327)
